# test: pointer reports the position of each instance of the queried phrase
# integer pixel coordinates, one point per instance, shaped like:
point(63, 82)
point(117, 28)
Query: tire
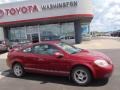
point(18, 70)
point(81, 76)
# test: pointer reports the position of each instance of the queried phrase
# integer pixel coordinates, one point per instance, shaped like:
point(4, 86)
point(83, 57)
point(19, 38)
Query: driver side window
point(44, 49)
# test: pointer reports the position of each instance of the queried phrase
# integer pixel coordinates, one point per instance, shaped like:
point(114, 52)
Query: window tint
point(70, 49)
point(44, 49)
point(27, 50)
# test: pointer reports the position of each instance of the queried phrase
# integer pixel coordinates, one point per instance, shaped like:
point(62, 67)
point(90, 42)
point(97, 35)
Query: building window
point(17, 33)
point(57, 31)
point(49, 32)
point(67, 29)
point(60, 31)
point(85, 28)
point(32, 29)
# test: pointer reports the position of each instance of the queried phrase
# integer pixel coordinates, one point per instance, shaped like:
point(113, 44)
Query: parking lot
point(43, 82)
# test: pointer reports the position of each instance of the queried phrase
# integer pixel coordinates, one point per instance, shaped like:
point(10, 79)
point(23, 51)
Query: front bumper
point(105, 72)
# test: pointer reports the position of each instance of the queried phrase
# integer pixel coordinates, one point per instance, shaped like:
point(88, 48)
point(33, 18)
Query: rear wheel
point(81, 76)
point(18, 70)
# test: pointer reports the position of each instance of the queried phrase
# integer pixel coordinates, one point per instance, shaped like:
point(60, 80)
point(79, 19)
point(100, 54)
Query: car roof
point(48, 42)
point(43, 42)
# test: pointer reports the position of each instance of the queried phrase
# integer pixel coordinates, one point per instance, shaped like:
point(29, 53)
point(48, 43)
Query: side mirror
point(58, 55)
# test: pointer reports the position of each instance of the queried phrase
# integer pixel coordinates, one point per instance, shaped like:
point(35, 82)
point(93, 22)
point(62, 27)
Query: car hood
point(91, 55)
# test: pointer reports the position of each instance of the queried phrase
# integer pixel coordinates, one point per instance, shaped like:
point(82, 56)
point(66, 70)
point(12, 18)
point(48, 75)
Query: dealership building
point(42, 20)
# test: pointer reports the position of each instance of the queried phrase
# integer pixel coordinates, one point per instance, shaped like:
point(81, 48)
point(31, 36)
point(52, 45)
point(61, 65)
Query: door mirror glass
point(58, 55)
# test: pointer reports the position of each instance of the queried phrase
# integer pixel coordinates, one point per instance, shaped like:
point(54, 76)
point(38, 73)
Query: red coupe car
point(61, 59)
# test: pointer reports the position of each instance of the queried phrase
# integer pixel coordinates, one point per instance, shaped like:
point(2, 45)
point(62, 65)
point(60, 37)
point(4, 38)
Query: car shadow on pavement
point(44, 79)
point(3, 52)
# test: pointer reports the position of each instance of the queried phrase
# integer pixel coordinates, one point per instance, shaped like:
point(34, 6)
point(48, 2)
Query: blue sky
point(106, 14)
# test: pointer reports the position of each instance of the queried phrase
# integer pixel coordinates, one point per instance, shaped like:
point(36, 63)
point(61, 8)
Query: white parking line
point(1, 76)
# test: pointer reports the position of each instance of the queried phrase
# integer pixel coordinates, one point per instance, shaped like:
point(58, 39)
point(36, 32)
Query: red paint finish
point(63, 65)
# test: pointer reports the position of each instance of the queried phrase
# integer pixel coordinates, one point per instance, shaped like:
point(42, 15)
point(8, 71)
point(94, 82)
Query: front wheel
point(81, 76)
point(18, 70)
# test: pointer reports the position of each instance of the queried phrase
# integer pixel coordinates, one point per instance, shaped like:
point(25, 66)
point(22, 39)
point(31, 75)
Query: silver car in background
point(3, 46)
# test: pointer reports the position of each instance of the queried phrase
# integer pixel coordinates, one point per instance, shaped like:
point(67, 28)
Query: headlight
point(101, 63)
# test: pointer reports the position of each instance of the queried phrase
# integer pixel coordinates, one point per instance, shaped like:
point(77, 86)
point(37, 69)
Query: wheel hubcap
point(18, 70)
point(80, 76)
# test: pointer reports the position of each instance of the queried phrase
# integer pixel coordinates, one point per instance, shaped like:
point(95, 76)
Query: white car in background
point(68, 39)
point(86, 37)
point(3, 46)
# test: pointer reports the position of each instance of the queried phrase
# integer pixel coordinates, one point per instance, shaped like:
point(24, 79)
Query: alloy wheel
point(81, 76)
point(18, 70)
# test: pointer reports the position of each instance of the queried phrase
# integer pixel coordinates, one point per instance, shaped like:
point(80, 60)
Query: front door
point(48, 63)
point(30, 60)
point(33, 37)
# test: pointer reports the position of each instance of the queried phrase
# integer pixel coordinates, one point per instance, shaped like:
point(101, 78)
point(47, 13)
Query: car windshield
point(70, 49)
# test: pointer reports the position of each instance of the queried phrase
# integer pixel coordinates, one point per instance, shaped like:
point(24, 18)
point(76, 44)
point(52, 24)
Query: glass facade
point(85, 32)
point(85, 28)
point(43, 32)
point(49, 32)
point(32, 33)
point(17, 33)
point(67, 29)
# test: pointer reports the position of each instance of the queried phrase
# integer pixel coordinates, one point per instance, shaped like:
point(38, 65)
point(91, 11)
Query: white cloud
point(107, 15)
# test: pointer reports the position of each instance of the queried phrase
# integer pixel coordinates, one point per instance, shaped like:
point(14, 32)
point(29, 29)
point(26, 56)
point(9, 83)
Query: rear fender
point(16, 61)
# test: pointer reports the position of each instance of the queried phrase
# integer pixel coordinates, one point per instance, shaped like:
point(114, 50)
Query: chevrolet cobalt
point(61, 59)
